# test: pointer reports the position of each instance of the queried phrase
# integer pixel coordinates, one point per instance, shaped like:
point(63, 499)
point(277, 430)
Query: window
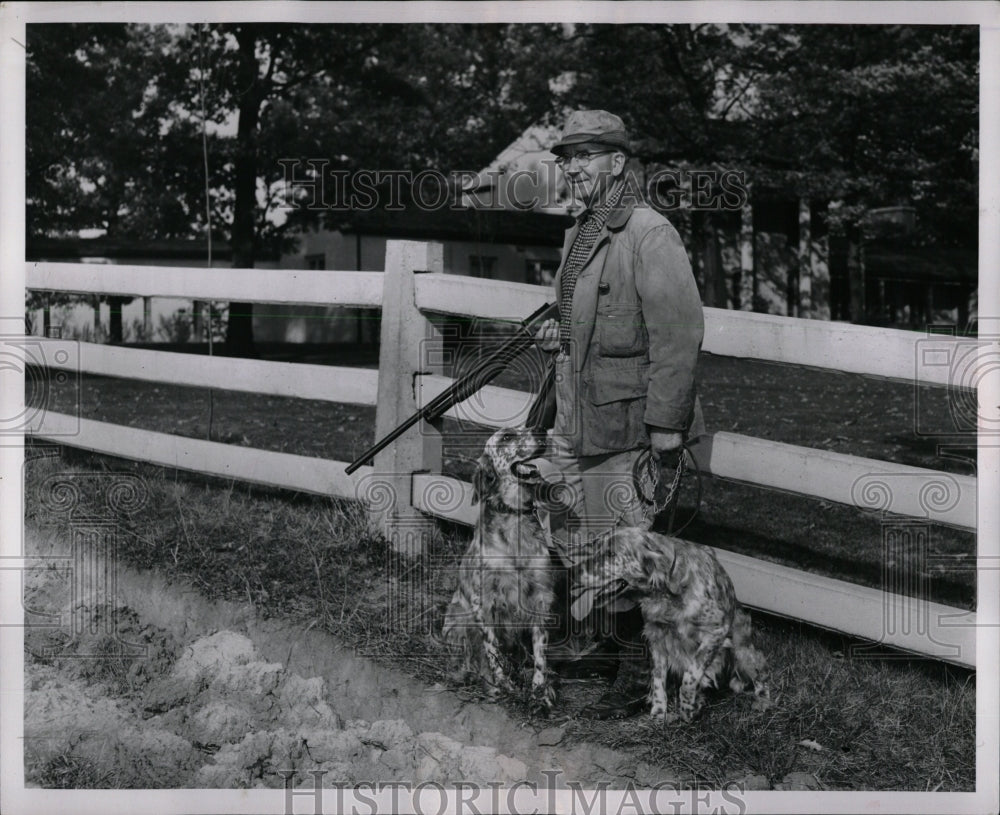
point(482, 266)
point(540, 272)
point(316, 261)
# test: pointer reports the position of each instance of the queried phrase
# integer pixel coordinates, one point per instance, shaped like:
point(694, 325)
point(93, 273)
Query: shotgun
point(465, 386)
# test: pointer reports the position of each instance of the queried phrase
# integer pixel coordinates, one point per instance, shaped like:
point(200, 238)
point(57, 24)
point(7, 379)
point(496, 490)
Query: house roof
point(480, 225)
point(523, 174)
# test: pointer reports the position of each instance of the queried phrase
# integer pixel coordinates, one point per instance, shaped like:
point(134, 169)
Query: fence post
point(410, 346)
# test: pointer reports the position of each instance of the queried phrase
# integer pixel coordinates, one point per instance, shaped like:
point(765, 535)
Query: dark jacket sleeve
point(672, 311)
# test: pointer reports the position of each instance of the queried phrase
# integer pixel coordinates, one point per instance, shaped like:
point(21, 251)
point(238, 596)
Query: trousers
point(586, 498)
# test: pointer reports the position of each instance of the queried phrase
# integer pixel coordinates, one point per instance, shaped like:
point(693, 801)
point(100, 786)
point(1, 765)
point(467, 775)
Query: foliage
point(873, 115)
point(407, 97)
point(867, 115)
point(100, 153)
point(175, 329)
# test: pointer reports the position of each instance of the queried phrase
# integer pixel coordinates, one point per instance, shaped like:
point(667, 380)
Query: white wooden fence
point(404, 484)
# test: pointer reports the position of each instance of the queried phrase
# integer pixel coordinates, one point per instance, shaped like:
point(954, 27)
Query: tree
point(874, 115)
point(865, 116)
point(881, 115)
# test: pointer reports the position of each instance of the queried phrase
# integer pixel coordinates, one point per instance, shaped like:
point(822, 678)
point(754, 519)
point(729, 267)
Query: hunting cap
point(593, 127)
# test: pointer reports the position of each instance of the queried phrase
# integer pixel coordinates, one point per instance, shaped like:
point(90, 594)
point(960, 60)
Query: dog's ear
point(484, 479)
point(666, 569)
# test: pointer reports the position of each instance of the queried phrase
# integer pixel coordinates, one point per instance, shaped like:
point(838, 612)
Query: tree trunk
point(746, 293)
point(239, 331)
point(715, 292)
point(116, 335)
point(856, 275)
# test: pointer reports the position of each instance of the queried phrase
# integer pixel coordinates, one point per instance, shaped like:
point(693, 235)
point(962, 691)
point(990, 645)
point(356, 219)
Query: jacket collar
point(619, 215)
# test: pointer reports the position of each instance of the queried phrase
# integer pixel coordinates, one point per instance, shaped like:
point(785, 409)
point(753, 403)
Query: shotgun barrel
point(465, 386)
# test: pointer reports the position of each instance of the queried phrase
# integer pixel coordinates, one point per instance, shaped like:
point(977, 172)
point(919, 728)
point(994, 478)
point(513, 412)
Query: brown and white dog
point(505, 581)
point(695, 629)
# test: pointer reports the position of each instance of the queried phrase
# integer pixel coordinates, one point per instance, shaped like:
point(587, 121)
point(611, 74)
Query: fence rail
point(409, 291)
point(326, 382)
point(279, 286)
point(880, 352)
point(301, 473)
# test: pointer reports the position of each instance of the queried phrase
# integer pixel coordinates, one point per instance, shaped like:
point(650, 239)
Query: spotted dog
point(505, 578)
point(694, 627)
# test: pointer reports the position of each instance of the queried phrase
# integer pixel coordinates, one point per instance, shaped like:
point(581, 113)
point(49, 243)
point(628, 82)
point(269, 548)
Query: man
point(625, 347)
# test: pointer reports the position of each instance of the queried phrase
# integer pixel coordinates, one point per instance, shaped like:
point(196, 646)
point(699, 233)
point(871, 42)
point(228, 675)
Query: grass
point(872, 724)
point(889, 724)
point(70, 772)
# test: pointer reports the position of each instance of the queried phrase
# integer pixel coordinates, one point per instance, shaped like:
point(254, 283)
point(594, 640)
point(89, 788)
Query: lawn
point(855, 722)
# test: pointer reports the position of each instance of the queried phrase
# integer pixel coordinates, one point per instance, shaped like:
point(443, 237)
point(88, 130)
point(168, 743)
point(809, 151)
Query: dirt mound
point(77, 738)
point(219, 717)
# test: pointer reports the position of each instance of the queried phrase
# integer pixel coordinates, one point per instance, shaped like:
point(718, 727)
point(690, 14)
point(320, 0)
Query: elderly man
point(625, 346)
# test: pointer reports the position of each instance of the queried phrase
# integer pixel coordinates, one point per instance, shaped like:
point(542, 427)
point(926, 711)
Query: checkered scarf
point(582, 244)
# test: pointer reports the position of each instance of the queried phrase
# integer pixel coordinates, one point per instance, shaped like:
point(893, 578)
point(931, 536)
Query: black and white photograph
point(500, 407)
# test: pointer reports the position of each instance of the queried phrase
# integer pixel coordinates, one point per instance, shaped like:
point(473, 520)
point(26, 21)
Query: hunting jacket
point(636, 329)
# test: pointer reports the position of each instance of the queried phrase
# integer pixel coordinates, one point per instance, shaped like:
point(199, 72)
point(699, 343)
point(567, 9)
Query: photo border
point(14, 798)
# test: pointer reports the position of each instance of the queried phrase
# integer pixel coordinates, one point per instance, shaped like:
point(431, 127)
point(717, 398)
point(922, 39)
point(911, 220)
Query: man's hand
point(547, 336)
point(667, 447)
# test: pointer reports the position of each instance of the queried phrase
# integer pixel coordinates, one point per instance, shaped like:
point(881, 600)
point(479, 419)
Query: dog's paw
point(502, 685)
point(690, 710)
point(665, 717)
point(543, 699)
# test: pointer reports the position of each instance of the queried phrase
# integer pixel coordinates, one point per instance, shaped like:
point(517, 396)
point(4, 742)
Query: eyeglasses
point(583, 159)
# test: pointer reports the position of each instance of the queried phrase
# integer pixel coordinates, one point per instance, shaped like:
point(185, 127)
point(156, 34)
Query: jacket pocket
point(614, 408)
point(621, 331)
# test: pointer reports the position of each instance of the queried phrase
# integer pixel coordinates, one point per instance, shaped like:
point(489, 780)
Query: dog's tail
point(749, 670)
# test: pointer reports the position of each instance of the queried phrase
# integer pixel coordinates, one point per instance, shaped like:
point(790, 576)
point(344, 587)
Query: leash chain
point(652, 472)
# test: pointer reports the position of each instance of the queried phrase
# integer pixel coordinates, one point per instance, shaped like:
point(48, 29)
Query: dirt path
point(148, 684)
